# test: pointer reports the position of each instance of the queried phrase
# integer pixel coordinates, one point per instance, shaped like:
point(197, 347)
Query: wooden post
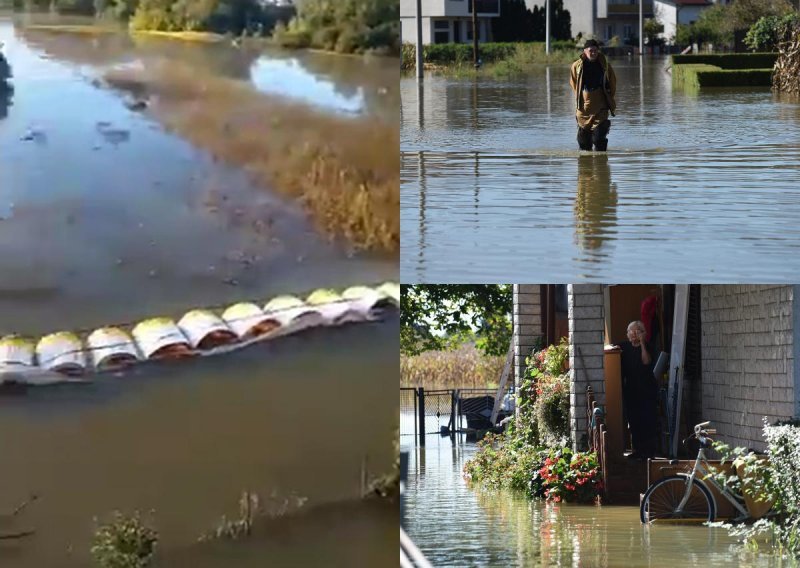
point(421, 394)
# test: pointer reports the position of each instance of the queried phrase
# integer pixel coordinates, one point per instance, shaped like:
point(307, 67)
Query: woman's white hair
point(636, 323)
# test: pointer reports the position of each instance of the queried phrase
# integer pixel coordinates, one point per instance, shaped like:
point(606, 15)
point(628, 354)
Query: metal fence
point(434, 411)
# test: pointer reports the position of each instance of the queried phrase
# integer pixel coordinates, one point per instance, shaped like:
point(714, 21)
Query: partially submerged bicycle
point(686, 497)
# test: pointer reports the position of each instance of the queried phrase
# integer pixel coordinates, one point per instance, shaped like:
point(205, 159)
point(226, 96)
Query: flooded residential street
point(504, 529)
point(693, 183)
point(107, 217)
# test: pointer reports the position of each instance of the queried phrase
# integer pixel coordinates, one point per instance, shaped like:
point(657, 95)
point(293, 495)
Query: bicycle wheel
point(661, 500)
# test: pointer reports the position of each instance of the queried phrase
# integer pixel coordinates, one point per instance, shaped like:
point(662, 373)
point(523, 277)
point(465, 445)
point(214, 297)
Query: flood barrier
point(68, 356)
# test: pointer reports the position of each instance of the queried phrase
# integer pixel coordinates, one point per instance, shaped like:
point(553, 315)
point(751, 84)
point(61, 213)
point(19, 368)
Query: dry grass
point(90, 30)
point(203, 37)
point(464, 367)
point(345, 170)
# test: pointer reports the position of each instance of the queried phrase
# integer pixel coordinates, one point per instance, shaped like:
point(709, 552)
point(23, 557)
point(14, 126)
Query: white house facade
point(447, 21)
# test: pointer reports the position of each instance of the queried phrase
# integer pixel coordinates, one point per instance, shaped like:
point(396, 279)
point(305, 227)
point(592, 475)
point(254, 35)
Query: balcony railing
point(629, 9)
point(485, 6)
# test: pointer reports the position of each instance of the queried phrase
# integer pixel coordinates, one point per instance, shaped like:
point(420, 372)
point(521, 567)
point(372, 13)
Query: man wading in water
point(594, 83)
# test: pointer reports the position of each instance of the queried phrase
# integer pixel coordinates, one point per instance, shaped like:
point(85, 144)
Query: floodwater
point(455, 525)
point(701, 184)
point(106, 218)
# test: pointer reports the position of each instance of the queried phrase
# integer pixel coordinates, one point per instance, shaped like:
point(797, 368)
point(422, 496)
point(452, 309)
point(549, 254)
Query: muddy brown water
point(492, 181)
point(107, 218)
point(454, 524)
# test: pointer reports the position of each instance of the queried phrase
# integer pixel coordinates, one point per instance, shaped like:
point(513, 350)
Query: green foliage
point(505, 461)
point(345, 26)
point(458, 54)
point(571, 477)
point(545, 388)
point(744, 13)
point(432, 313)
point(125, 542)
point(768, 31)
point(652, 29)
point(728, 60)
point(712, 26)
point(772, 480)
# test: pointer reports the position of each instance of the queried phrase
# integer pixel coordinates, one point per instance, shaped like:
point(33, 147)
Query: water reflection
point(342, 84)
point(682, 188)
point(595, 204)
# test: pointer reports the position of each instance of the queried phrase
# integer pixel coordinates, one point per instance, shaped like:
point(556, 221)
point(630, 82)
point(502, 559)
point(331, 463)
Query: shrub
point(504, 461)
point(772, 480)
point(765, 34)
point(125, 542)
point(552, 409)
point(571, 477)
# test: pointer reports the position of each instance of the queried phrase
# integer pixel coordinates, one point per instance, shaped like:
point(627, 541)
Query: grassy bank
point(344, 170)
point(465, 367)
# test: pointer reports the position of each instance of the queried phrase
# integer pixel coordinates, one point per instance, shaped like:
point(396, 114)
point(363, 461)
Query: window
point(609, 31)
point(441, 37)
point(628, 31)
point(457, 31)
point(442, 25)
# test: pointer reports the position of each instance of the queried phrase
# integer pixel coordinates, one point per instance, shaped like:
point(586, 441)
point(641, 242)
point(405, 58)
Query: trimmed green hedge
point(729, 60)
point(456, 53)
point(735, 78)
point(703, 75)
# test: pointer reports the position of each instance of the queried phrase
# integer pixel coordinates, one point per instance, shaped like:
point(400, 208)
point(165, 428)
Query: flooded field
point(454, 524)
point(107, 217)
point(702, 184)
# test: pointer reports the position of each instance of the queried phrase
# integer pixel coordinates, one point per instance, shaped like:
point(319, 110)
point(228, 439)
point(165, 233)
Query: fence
point(435, 411)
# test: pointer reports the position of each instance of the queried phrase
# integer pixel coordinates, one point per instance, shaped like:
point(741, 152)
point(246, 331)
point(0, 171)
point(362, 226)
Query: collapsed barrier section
point(67, 356)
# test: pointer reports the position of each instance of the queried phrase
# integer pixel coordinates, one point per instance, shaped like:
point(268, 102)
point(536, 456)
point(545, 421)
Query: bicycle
point(686, 496)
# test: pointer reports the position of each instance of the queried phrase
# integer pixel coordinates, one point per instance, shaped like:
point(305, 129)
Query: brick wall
point(586, 330)
point(527, 324)
point(748, 359)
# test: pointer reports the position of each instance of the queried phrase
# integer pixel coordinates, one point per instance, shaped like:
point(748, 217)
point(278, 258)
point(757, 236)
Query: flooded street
point(453, 524)
point(492, 181)
point(106, 217)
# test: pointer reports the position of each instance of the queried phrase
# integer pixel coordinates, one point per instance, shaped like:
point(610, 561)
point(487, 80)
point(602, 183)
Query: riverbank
point(340, 168)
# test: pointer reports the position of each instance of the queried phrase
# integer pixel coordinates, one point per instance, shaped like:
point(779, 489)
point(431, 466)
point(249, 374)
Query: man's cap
point(591, 43)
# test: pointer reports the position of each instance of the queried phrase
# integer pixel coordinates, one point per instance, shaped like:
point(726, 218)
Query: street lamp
point(641, 27)
point(547, 27)
point(419, 39)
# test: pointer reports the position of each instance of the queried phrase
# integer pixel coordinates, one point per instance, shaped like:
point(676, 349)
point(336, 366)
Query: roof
point(688, 2)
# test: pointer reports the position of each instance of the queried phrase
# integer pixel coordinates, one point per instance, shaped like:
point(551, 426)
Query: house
point(672, 13)
point(447, 21)
point(603, 19)
point(740, 359)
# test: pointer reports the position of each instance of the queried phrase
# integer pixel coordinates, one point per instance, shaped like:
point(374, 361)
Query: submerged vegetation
point(497, 59)
point(341, 168)
point(124, 542)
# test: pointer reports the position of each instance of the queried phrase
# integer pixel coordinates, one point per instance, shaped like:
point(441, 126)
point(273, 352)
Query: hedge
point(703, 75)
point(455, 53)
point(729, 60)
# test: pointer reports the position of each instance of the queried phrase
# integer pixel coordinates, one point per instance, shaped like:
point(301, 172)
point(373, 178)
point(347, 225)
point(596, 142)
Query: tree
point(652, 30)
point(516, 22)
point(765, 34)
point(745, 13)
point(431, 315)
point(560, 21)
point(712, 26)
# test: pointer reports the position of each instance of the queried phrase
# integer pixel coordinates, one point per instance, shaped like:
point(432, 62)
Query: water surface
point(454, 524)
point(701, 184)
